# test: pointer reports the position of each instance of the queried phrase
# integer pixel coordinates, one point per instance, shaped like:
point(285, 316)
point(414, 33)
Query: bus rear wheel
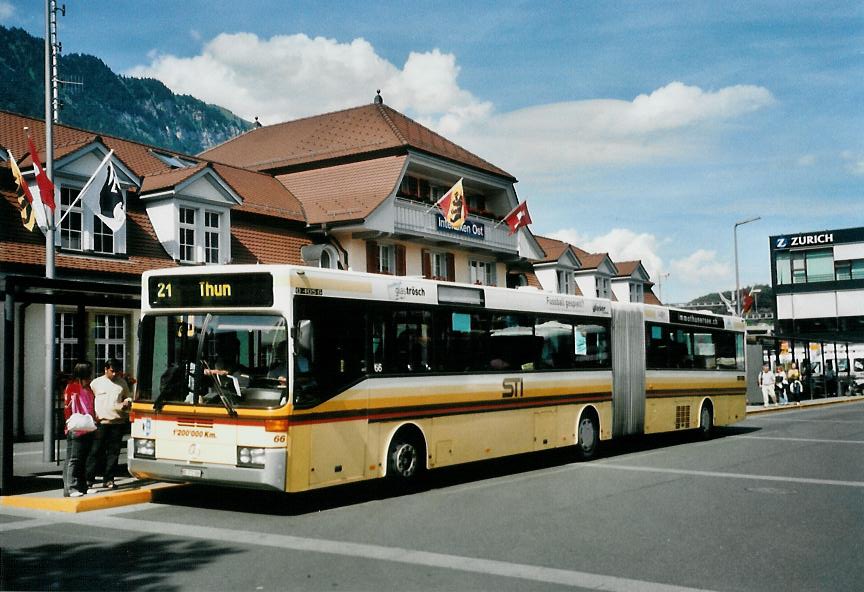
point(706, 421)
point(404, 459)
point(587, 433)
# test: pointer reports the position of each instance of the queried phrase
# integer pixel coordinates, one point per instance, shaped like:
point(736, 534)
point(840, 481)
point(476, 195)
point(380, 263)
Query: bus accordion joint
point(276, 425)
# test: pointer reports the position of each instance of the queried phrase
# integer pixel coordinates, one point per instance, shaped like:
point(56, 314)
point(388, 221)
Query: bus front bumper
point(270, 476)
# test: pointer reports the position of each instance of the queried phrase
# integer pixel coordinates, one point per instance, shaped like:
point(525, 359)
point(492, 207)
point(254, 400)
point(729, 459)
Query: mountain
point(139, 109)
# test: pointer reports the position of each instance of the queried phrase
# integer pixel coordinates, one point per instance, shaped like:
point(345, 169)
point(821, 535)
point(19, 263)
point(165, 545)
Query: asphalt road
point(775, 503)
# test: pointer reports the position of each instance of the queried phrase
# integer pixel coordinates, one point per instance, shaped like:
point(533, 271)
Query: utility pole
point(51, 100)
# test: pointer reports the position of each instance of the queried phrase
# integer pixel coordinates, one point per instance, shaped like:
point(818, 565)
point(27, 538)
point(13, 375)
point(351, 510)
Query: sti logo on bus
point(804, 240)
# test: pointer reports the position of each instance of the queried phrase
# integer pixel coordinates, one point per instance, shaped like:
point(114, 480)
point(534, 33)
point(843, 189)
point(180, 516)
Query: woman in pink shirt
point(78, 398)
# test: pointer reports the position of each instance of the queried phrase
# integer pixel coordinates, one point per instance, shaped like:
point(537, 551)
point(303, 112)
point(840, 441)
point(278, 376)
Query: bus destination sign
point(205, 290)
point(695, 318)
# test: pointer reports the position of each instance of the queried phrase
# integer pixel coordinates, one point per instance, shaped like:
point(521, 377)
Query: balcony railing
point(416, 218)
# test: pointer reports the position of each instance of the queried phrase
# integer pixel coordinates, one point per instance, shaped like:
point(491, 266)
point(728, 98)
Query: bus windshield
point(221, 360)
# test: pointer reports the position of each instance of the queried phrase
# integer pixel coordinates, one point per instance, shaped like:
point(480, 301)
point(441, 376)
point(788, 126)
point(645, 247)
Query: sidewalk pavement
point(39, 485)
point(758, 409)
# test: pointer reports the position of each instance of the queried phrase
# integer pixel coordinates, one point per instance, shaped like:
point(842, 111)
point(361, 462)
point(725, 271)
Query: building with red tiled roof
point(368, 179)
point(566, 268)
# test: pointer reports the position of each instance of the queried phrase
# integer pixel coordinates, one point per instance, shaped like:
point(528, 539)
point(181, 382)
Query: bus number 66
point(512, 388)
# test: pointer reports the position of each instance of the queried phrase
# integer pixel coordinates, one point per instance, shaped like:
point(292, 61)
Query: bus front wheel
point(586, 445)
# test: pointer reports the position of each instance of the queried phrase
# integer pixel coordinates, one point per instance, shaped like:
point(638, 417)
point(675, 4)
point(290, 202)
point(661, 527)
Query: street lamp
point(737, 283)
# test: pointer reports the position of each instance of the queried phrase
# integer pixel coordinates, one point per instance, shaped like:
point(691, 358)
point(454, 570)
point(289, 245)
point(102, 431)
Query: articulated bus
point(294, 378)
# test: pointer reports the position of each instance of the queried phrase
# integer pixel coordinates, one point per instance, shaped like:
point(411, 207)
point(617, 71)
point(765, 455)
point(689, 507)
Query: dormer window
point(201, 235)
point(173, 161)
point(81, 230)
point(72, 219)
point(565, 282)
point(637, 292)
point(604, 287)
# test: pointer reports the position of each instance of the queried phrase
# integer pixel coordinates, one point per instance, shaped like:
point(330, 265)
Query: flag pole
point(48, 437)
point(501, 221)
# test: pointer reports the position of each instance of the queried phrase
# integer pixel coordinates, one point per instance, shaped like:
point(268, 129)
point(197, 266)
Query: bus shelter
point(20, 291)
point(829, 367)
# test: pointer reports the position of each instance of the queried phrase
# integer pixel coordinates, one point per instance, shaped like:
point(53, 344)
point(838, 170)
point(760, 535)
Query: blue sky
point(646, 129)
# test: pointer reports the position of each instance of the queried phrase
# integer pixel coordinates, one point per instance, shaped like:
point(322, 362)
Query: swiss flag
point(518, 217)
point(747, 301)
point(46, 187)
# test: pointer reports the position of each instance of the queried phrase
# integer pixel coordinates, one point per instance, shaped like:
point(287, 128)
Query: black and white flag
point(103, 195)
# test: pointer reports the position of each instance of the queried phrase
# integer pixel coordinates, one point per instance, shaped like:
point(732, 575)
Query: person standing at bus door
point(78, 398)
point(795, 387)
point(781, 383)
point(766, 383)
point(113, 401)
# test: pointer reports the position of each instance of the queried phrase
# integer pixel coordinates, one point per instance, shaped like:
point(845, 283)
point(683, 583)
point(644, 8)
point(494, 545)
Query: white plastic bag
point(81, 422)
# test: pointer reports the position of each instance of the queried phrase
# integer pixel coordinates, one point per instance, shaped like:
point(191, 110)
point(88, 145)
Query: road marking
point(491, 567)
point(726, 475)
point(814, 440)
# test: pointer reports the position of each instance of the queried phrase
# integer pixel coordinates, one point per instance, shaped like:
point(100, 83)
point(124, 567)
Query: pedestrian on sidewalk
point(113, 401)
point(78, 398)
point(780, 384)
point(795, 386)
point(766, 383)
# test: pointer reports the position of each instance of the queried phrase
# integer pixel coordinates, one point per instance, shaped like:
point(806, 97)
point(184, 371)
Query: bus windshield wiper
point(217, 381)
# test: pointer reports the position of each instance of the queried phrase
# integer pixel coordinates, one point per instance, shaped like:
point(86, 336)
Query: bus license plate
point(191, 472)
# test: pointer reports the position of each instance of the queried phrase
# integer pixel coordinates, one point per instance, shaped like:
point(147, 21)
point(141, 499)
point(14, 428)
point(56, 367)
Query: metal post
point(50, 82)
point(737, 282)
point(6, 408)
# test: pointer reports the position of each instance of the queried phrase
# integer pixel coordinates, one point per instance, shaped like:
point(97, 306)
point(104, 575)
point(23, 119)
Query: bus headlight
point(250, 457)
point(145, 448)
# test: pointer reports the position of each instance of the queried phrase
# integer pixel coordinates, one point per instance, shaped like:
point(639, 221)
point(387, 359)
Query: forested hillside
point(139, 109)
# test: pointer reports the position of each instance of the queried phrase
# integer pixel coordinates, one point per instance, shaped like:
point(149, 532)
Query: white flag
point(103, 196)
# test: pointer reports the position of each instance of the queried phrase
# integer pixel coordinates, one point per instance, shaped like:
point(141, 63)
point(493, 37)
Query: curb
point(149, 491)
point(805, 405)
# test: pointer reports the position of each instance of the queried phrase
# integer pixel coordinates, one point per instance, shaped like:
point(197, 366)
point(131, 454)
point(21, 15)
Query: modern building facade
point(818, 279)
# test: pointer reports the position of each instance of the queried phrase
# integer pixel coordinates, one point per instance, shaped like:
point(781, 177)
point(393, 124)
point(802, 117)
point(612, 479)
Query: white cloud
point(702, 268)
point(807, 160)
point(854, 162)
point(664, 124)
point(291, 76)
point(622, 244)
point(6, 11)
